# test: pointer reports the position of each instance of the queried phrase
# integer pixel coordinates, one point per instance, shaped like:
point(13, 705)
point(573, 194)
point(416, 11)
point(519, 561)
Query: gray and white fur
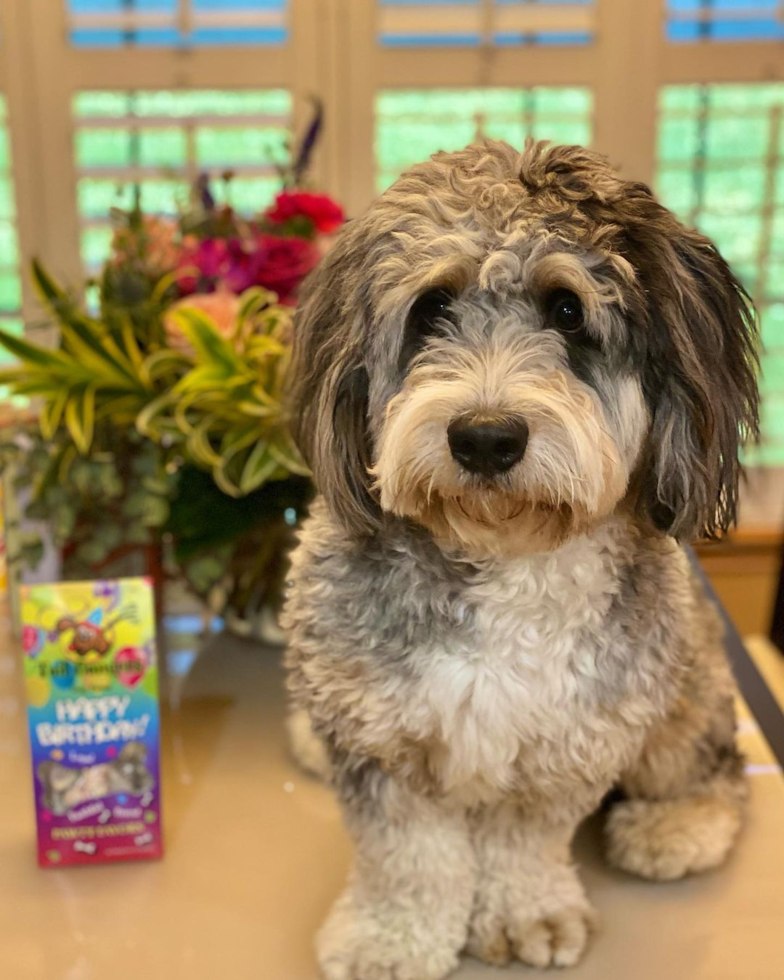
point(520, 382)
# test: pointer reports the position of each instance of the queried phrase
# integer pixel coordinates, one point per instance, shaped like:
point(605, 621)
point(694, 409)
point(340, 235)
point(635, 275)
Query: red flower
point(326, 215)
point(235, 264)
point(282, 263)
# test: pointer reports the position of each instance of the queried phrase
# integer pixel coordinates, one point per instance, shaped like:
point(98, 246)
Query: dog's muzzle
point(488, 448)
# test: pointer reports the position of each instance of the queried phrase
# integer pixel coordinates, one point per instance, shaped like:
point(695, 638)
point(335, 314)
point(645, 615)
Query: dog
point(520, 384)
point(65, 788)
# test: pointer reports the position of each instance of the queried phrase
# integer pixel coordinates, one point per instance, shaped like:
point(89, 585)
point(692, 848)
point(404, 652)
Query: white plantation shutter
point(413, 123)
point(10, 280)
point(109, 23)
point(721, 167)
point(157, 143)
point(103, 95)
point(472, 22)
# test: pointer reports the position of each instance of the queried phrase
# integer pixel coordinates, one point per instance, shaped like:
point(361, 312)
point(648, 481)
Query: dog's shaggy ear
point(700, 372)
point(329, 388)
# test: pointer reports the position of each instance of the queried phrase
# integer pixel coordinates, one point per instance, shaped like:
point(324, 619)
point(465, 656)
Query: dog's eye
point(565, 311)
point(427, 310)
point(429, 307)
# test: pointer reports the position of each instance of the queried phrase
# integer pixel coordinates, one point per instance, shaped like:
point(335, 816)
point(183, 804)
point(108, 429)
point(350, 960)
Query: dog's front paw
point(667, 839)
point(558, 938)
point(369, 943)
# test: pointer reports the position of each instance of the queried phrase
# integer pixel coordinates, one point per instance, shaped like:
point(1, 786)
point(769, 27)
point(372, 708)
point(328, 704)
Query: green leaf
point(65, 462)
point(258, 468)
point(205, 378)
point(284, 451)
point(199, 445)
point(164, 360)
point(252, 302)
point(33, 354)
point(209, 345)
point(134, 353)
point(119, 408)
point(225, 483)
point(235, 440)
point(50, 292)
point(256, 410)
point(146, 419)
point(52, 413)
point(80, 418)
point(96, 348)
point(171, 279)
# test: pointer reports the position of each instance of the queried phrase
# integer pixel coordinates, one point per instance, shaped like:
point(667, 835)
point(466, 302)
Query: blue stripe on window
point(118, 6)
point(756, 25)
point(203, 6)
point(238, 36)
point(738, 30)
point(427, 3)
point(430, 40)
point(549, 37)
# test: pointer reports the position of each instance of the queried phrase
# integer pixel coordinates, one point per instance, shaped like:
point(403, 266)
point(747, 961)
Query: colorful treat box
point(91, 674)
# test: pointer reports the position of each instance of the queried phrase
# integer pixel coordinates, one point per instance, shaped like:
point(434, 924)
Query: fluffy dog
point(520, 382)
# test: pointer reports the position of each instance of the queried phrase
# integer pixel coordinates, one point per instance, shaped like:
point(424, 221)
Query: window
point(176, 23)
point(157, 143)
point(454, 23)
point(721, 167)
point(725, 20)
point(10, 283)
point(410, 125)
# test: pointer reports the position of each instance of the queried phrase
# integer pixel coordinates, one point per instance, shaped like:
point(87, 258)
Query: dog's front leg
point(404, 914)
point(686, 794)
point(529, 904)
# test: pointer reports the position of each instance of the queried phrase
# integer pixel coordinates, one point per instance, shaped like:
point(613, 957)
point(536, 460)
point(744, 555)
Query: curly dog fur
point(482, 642)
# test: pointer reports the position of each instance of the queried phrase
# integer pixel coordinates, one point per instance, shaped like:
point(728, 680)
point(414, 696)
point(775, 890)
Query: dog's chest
point(526, 690)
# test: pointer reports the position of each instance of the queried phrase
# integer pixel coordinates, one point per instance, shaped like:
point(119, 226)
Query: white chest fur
point(525, 691)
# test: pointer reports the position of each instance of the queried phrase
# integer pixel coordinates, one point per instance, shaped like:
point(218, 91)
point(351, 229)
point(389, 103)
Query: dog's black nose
point(488, 448)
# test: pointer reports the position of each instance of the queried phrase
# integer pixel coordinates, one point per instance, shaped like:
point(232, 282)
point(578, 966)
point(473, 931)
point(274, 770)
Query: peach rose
point(222, 307)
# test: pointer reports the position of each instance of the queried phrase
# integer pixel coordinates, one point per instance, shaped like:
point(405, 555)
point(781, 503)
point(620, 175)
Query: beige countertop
point(255, 852)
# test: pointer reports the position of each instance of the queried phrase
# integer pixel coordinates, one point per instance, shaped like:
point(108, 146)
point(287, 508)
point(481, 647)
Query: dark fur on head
point(690, 330)
point(697, 332)
point(330, 382)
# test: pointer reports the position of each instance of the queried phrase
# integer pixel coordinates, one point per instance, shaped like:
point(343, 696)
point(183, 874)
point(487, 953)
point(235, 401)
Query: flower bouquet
point(162, 432)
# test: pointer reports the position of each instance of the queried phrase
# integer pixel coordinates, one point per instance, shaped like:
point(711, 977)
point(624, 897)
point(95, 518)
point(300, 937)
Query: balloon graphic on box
point(32, 640)
point(130, 663)
point(63, 674)
point(38, 690)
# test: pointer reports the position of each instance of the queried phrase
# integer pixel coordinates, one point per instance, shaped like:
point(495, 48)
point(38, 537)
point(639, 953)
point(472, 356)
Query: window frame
point(333, 51)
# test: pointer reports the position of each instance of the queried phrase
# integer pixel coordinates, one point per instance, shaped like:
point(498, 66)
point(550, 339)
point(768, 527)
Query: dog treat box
point(91, 674)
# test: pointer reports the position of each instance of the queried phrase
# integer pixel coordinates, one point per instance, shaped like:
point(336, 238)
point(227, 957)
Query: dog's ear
point(699, 373)
point(329, 388)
